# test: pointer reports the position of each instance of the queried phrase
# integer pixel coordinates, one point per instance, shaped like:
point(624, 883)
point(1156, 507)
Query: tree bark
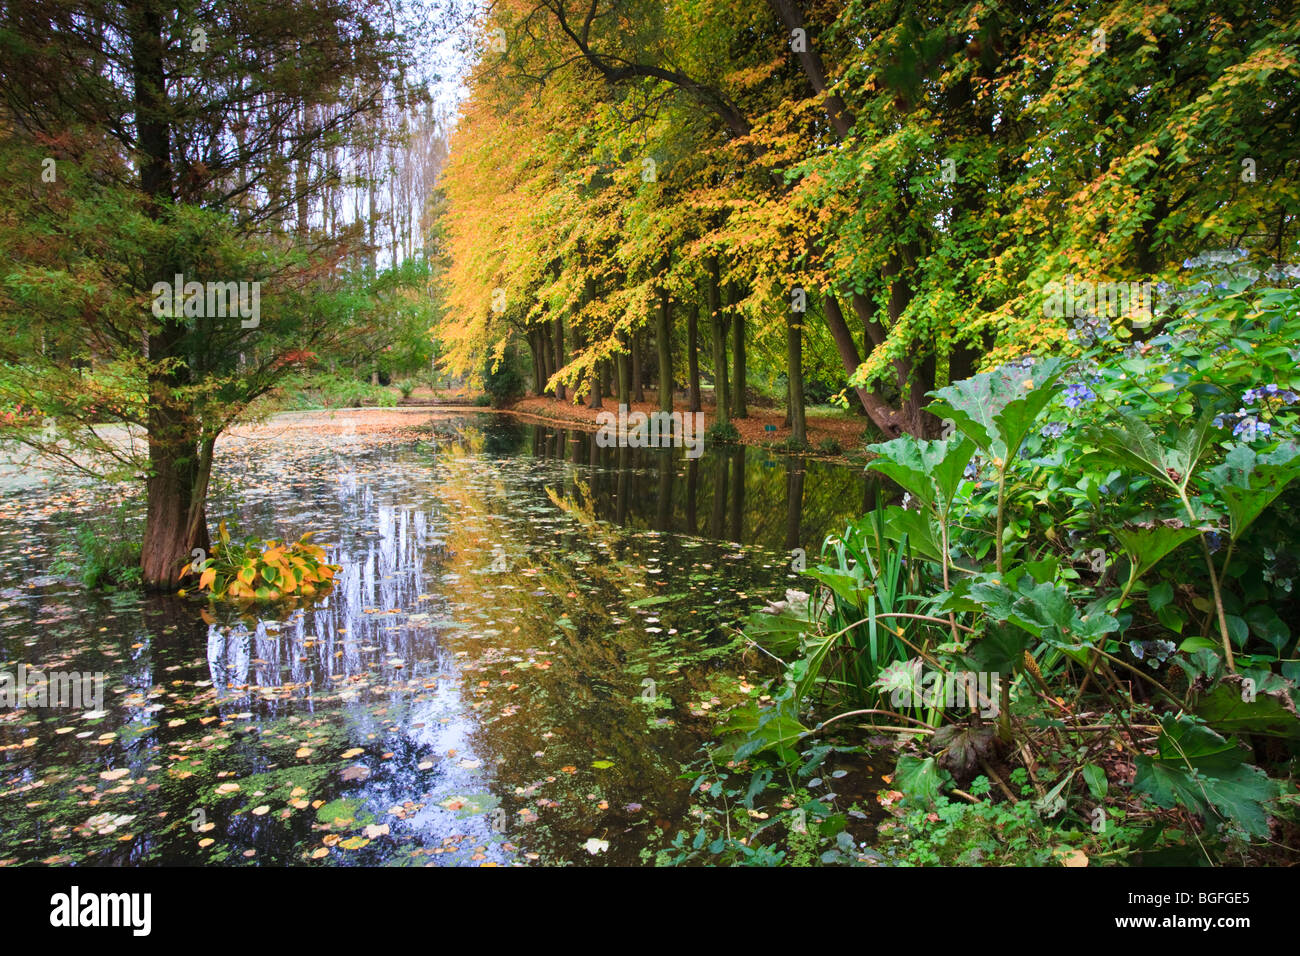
point(719, 340)
point(638, 384)
point(663, 339)
point(889, 421)
point(179, 461)
point(794, 373)
point(693, 356)
point(738, 408)
point(623, 362)
point(559, 355)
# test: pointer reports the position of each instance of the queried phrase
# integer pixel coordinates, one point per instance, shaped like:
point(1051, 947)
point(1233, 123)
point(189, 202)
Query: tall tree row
point(880, 193)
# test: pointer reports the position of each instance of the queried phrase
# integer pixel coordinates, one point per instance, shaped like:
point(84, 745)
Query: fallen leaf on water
point(113, 774)
point(376, 830)
point(354, 752)
point(303, 752)
point(261, 811)
point(594, 846)
point(357, 772)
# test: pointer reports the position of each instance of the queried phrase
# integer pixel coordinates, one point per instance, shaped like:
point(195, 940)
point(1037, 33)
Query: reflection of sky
point(496, 700)
point(378, 629)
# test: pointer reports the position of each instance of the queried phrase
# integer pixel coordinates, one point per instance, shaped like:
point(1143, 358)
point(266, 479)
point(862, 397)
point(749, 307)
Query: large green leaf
point(917, 528)
point(1129, 441)
point(930, 470)
point(1000, 651)
point(1249, 481)
point(1195, 767)
point(918, 778)
point(1231, 707)
point(997, 409)
point(755, 728)
point(1147, 546)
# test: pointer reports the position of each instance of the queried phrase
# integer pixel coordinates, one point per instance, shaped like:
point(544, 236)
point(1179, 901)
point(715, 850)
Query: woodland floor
point(753, 428)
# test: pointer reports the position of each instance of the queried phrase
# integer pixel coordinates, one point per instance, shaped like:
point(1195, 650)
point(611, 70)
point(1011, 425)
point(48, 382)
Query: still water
point(527, 640)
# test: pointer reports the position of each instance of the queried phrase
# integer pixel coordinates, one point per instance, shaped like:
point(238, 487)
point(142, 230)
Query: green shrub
point(722, 433)
point(502, 380)
point(1103, 531)
point(105, 550)
point(263, 570)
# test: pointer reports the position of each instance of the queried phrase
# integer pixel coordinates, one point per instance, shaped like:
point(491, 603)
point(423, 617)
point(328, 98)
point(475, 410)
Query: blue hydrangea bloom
point(1078, 394)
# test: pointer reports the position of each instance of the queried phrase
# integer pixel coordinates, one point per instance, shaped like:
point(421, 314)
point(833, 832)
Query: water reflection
point(471, 691)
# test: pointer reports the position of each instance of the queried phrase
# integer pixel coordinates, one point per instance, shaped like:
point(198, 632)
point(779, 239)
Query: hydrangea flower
point(1053, 430)
point(1158, 651)
point(1078, 394)
point(1251, 428)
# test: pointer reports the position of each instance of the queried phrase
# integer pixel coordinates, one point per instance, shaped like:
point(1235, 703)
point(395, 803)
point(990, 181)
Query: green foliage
point(321, 389)
point(502, 380)
point(106, 550)
point(1083, 517)
point(722, 433)
point(263, 570)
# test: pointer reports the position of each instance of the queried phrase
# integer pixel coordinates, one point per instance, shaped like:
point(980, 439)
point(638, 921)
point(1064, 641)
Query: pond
point(526, 641)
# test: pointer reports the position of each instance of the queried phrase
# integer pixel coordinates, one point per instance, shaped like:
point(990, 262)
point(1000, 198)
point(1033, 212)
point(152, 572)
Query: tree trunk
point(538, 379)
point(719, 340)
point(693, 356)
point(889, 421)
point(597, 386)
point(663, 339)
point(179, 463)
point(622, 364)
point(559, 354)
point(638, 385)
point(738, 409)
point(794, 372)
point(176, 519)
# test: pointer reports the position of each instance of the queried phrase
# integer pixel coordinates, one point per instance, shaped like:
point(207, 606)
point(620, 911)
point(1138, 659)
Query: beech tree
point(810, 181)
